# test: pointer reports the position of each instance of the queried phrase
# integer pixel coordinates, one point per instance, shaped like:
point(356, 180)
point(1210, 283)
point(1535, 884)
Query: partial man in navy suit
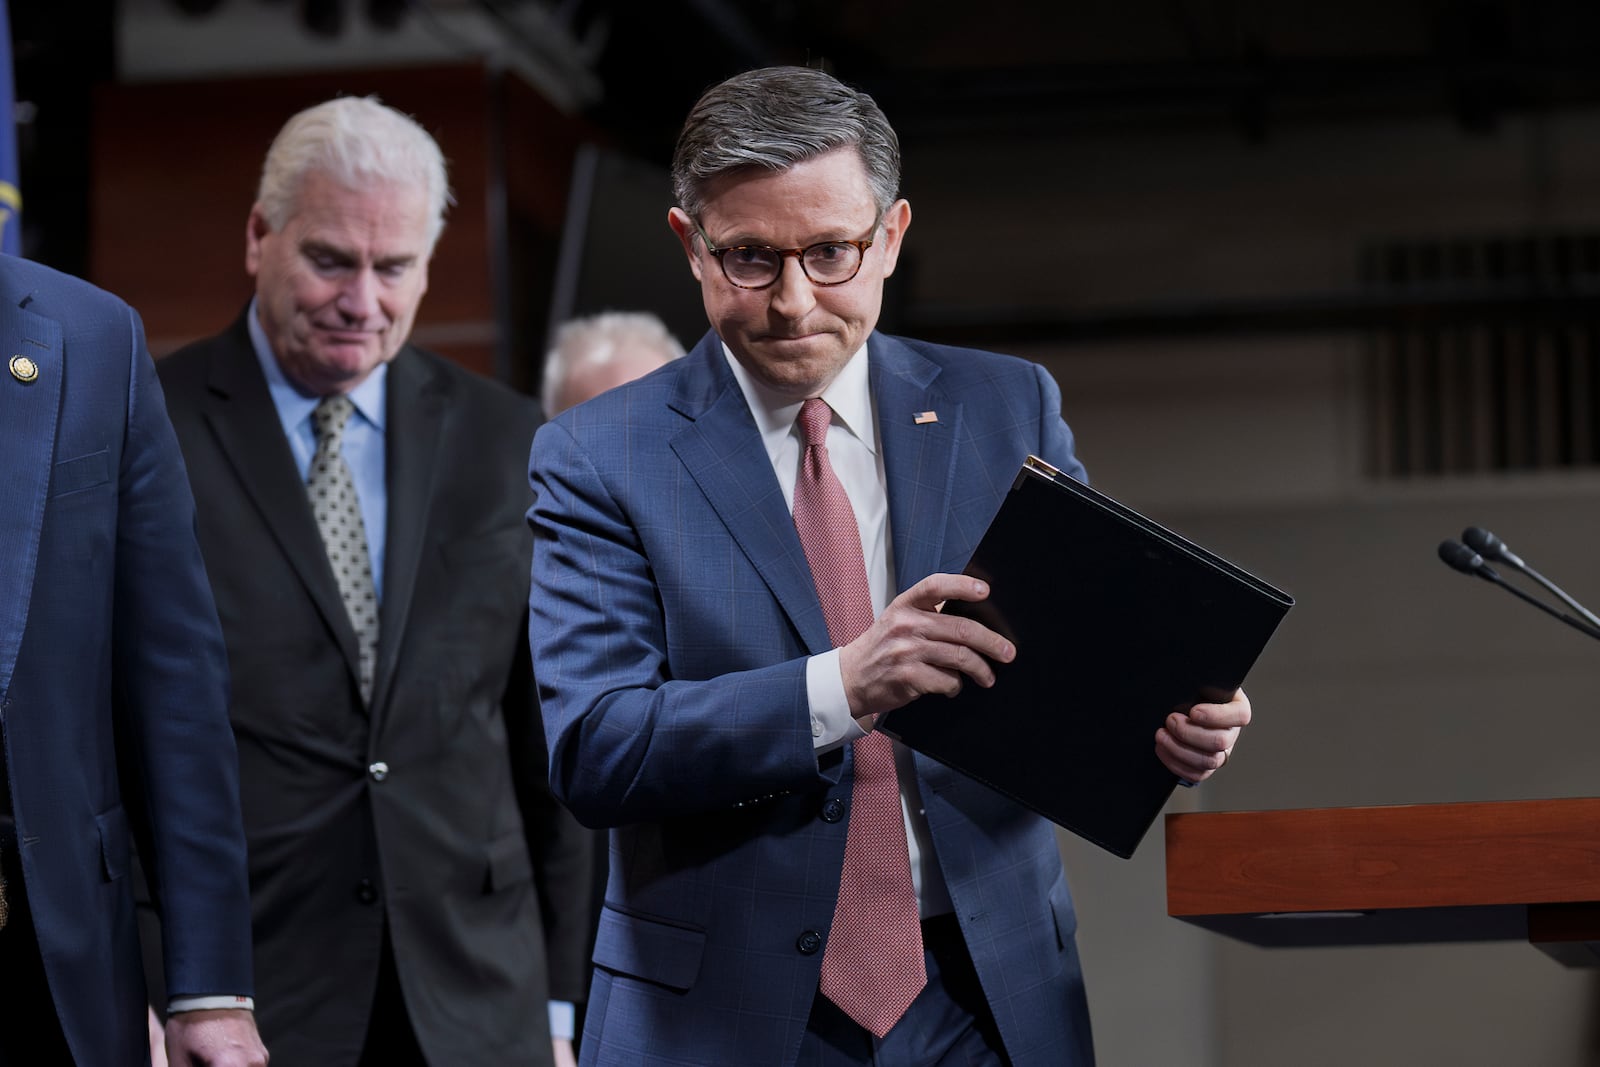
point(711, 672)
point(114, 696)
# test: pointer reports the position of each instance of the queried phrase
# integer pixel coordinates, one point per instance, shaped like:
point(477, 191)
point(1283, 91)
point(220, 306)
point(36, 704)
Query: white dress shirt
point(857, 460)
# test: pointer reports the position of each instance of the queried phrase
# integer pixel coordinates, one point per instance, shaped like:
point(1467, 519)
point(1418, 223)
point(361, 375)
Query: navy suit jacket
point(672, 615)
point(113, 677)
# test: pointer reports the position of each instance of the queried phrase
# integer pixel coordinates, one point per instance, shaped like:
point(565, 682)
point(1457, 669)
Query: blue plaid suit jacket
point(672, 615)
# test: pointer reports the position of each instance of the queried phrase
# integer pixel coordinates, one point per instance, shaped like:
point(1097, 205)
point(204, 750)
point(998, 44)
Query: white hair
point(355, 140)
point(594, 340)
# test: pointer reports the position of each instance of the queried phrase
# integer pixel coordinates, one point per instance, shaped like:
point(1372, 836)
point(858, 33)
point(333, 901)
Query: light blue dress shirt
point(363, 438)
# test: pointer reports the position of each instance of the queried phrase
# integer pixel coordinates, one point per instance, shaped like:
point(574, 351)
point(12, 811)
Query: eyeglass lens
point(828, 263)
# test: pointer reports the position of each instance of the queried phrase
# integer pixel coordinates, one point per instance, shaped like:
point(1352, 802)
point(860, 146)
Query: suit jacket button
point(833, 810)
point(379, 771)
point(808, 943)
point(366, 892)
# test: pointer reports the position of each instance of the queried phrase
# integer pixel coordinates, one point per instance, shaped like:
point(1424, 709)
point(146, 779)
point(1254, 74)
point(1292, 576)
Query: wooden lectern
point(1394, 875)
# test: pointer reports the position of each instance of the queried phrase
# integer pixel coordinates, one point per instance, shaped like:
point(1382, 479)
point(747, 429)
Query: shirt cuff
point(563, 1020)
point(177, 1004)
point(831, 724)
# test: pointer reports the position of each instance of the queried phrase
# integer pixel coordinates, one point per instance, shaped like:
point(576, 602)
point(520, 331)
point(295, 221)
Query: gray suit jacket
point(431, 811)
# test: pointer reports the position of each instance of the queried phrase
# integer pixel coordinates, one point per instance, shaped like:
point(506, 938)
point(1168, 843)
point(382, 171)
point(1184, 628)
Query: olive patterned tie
point(332, 490)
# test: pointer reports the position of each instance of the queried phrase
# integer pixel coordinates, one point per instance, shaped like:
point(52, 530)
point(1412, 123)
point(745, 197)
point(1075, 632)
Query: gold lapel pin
point(922, 418)
point(24, 369)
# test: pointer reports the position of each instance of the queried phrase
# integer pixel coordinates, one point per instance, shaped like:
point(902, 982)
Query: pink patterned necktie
point(873, 966)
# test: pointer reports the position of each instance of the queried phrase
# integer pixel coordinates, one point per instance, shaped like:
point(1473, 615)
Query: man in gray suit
point(417, 894)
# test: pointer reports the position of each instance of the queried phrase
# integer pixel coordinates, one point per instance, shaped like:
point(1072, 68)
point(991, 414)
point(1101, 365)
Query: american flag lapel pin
point(922, 418)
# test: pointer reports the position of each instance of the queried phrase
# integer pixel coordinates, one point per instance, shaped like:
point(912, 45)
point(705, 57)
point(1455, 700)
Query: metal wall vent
point(1489, 358)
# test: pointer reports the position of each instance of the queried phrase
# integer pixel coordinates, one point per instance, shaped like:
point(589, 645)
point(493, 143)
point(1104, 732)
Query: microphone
point(1465, 560)
point(1491, 547)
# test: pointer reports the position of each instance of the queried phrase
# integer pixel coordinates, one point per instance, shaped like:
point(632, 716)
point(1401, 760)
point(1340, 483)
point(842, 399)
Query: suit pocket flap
point(496, 546)
point(1066, 916)
point(114, 846)
point(85, 472)
point(508, 862)
point(644, 948)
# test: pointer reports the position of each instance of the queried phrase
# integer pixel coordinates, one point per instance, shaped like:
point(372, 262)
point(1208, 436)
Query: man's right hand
point(158, 1038)
point(213, 1037)
point(913, 649)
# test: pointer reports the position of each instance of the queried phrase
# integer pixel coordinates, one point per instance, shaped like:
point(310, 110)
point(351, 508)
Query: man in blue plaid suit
point(692, 696)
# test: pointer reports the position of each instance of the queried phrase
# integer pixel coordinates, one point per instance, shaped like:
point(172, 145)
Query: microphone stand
point(1465, 560)
point(1491, 547)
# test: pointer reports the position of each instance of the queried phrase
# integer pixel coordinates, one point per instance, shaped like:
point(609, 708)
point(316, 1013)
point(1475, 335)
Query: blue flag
point(10, 185)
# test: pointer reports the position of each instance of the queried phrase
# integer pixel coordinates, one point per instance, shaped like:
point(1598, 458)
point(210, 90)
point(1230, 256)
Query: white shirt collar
point(849, 395)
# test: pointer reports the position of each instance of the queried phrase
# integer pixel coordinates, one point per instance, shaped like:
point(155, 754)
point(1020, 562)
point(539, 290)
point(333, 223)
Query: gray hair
point(774, 118)
point(596, 339)
point(355, 141)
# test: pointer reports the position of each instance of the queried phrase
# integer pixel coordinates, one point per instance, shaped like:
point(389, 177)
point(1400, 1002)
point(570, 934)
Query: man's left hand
point(219, 1037)
point(1194, 744)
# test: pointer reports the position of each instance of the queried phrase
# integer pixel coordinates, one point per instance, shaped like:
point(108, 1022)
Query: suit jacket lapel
point(722, 450)
point(31, 411)
point(240, 413)
point(417, 412)
point(919, 457)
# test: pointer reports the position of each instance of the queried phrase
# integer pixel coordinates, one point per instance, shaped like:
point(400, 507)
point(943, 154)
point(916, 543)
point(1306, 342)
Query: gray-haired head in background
point(597, 352)
point(774, 118)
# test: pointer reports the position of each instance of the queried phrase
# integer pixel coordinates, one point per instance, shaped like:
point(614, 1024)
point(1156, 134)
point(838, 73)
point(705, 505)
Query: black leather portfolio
point(1117, 622)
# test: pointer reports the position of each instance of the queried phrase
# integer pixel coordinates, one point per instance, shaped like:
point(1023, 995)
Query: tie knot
point(814, 418)
point(330, 416)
